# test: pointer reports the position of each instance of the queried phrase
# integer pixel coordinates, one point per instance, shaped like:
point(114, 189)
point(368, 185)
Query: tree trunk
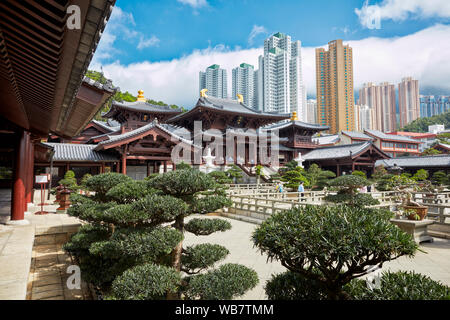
point(176, 255)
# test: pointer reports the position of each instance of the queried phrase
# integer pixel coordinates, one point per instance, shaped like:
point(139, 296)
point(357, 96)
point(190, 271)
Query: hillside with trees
point(421, 124)
point(120, 96)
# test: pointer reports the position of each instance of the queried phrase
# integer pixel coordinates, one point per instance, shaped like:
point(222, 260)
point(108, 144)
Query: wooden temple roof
point(133, 135)
point(210, 109)
point(436, 161)
point(42, 64)
point(285, 125)
point(342, 151)
point(161, 112)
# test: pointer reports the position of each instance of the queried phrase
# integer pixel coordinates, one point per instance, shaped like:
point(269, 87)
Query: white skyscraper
point(243, 82)
point(311, 111)
point(280, 71)
point(215, 80)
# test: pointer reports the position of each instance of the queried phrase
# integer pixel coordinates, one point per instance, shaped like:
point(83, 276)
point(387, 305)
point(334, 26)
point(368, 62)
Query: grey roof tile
point(79, 152)
point(334, 152)
point(296, 123)
point(424, 161)
point(356, 135)
point(393, 137)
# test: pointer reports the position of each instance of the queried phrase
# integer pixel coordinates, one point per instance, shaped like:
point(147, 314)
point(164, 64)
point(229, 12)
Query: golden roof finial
point(240, 97)
point(140, 96)
point(203, 93)
point(294, 116)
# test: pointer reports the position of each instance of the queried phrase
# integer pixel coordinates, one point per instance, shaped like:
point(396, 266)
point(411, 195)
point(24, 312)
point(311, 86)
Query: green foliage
point(182, 182)
point(102, 183)
point(421, 124)
point(317, 177)
point(183, 165)
point(440, 178)
point(359, 173)
point(430, 152)
point(146, 282)
point(129, 191)
point(133, 247)
point(421, 175)
point(119, 96)
point(290, 166)
point(140, 244)
point(202, 256)
point(348, 186)
point(359, 199)
point(294, 177)
point(210, 204)
point(293, 286)
point(220, 177)
point(332, 245)
point(204, 227)
point(258, 170)
point(234, 173)
point(149, 211)
point(69, 181)
point(225, 283)
point(401, 286)
point(85, 179)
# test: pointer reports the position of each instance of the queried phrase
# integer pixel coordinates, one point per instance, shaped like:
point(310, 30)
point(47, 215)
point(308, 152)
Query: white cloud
point(194, 3)
point(423, 55)
point(399, 10)
point(147, 42)
point(256, 30)
point(121, 25)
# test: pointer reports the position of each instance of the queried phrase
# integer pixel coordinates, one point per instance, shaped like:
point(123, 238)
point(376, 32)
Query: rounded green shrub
point(146, 282)
point(202, 256)
point(225, 283)
point(129, 191)
point(102, 183)
point(401, 286)
point(293, 286)
point(204, 227)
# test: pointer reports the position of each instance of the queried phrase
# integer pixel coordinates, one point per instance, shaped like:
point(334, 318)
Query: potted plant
point(412, 209)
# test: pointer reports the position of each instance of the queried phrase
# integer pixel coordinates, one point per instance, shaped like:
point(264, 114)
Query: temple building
point(42, 88)
point(139, 138)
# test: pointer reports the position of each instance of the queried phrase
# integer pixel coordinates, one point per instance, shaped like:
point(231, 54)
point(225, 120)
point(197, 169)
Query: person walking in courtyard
point(300, 190)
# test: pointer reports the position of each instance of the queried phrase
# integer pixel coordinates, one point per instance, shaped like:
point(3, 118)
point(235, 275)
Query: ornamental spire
point(140, 96)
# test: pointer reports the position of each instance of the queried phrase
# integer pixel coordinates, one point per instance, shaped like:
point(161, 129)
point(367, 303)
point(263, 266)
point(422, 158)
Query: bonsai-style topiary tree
point(348, 186)
point(294, 177)
point(317, 177)
point(440, 178)
point(359, 173)
point(133, 246)
point(234, 173)
point(421, 175)
point(330, 246)
point(69, 181)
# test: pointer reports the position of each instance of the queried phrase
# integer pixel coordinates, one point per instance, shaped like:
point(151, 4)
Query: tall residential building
point(364, 116)
point(334, 83)
point(381, 98)
point(243, 82)
point(408, 100)
point(311, 111)
point(280, 77)
point(215, 80)
point(433, 105)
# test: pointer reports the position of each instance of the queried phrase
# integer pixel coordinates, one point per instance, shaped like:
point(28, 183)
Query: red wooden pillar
point(28, 176)
point(102, 168)
point(124, 164)
point(174, 166)
point(165, 166)
point(338, 170)
point(118, 167)
point(20, 170)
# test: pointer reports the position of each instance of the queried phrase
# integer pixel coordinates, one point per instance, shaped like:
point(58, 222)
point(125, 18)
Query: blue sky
point(177, 38)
